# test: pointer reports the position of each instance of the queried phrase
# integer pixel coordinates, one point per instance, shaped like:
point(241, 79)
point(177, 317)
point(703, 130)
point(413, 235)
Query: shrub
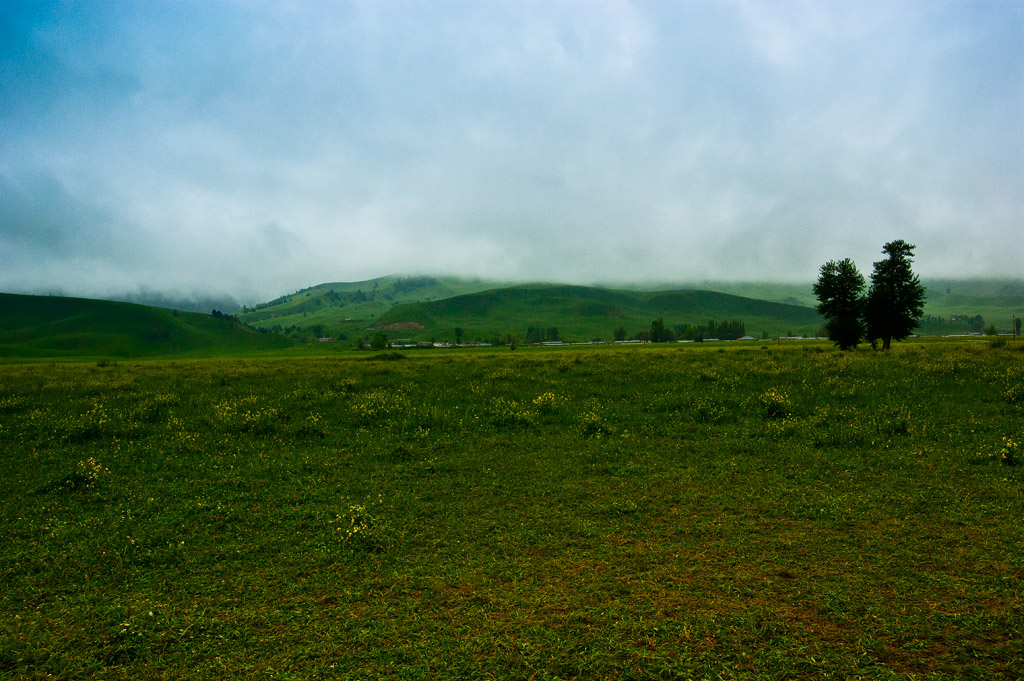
point(385, 357)
point(1008, 452)
point(547, 403)
point(591, 424)
point(775, 404)
point(505, 411)
point(359, 528)
point(87, 474)
point(377, 405)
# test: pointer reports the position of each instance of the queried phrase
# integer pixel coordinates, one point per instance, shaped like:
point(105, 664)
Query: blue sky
point(253, 148)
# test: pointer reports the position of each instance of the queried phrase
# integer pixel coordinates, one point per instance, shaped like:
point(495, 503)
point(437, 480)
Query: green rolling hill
point(400, 306)
point(583, 313)
point(79, 328)
point(340, 307)
point(997, 302)
point(423, 307)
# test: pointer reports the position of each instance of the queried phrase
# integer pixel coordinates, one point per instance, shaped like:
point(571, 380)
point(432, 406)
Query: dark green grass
point(51, 327)
point(628, 513)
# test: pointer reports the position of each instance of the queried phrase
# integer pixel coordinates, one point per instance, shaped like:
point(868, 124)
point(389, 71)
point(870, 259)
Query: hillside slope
point(359, 309)
point(344, 306)
point(588, 313)
point(58, 327)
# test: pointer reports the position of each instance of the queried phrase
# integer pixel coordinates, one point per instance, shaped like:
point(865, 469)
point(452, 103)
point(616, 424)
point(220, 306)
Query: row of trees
point(538, 334)
point(889, 309)
point(660, 333)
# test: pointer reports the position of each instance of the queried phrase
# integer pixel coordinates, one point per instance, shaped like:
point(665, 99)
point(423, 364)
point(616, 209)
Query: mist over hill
point(424, 307)
point(350, 310)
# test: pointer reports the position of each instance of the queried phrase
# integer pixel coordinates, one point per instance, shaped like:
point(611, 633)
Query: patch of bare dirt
point(401, 326)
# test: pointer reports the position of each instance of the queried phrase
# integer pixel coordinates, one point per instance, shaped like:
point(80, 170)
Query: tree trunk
point(885, 342)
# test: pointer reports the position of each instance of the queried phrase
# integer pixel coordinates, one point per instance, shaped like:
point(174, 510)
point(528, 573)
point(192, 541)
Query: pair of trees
point(890, 308)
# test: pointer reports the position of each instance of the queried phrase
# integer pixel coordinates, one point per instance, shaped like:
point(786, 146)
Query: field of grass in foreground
point(622, 513)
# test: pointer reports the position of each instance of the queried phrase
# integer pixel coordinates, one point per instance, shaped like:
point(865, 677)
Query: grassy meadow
point(756, 512)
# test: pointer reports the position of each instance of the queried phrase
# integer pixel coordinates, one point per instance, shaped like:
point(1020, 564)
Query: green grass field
point(757, 512)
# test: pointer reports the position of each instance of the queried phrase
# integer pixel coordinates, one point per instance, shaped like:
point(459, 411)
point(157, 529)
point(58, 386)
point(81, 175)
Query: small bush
point(347, 385)
point(591, 424)
point(547, 403)
point(892, 421)
point(360, 528)
point(707, 411)
point(87, 475)
point(1008, 453)
point(378, 405)
point(314, 427)
point(775, 404)
point(508, 412)
point(385, 357)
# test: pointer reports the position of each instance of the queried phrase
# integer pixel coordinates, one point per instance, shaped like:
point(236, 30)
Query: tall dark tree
point(839, 291)
point(659, 333)
point(895, 299)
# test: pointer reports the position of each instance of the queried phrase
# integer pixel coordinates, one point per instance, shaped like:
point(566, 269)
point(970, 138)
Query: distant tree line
point(931, 324)
point(661, 333)
point(217, 314)
point(537, 334)
point(331, 298)
point(412, 283)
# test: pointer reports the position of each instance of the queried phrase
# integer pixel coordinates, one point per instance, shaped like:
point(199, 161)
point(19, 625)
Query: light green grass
point(657, 512)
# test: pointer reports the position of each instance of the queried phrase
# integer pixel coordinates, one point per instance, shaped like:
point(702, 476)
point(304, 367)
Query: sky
point(254, 148)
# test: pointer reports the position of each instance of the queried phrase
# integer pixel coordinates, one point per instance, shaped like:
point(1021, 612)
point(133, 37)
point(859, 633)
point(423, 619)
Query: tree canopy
point(895, 299)
point(839, 291)
point(889, 310)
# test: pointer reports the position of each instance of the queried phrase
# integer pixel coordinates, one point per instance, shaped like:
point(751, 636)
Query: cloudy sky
point(253, 148)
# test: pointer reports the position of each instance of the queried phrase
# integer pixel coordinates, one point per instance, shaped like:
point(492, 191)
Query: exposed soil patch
point(401, 326)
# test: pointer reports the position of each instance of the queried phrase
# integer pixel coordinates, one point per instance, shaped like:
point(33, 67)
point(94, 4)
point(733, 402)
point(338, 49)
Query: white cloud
point(258, 148)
